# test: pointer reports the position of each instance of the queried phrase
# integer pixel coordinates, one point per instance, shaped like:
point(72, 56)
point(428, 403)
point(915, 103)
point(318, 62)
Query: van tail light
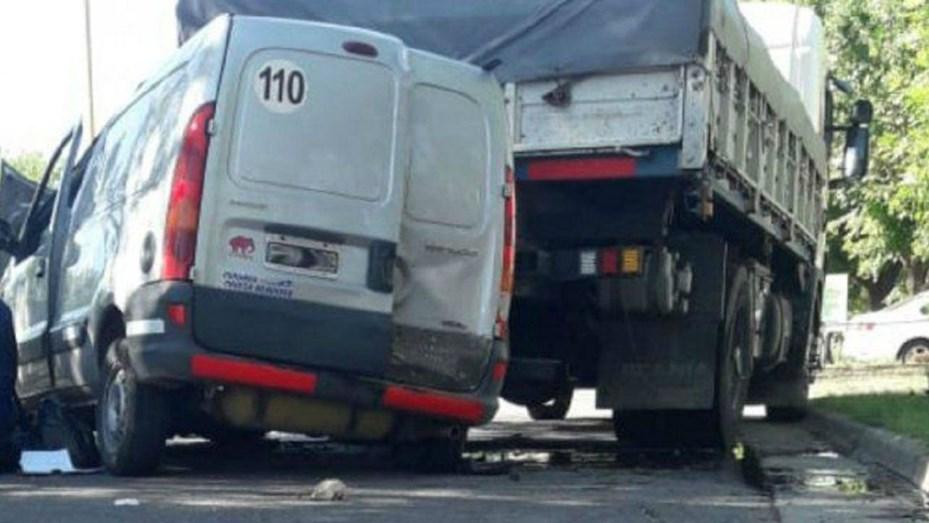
point(509, 254)
point(183, 217)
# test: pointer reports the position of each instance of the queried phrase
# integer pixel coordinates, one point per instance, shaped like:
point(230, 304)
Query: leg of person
point(9, 454)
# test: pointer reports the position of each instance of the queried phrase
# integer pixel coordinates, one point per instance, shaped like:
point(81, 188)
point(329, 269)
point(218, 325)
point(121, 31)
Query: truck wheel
point(555, 409)
point(734, 365)
point(440, 454)
point(786, 414)
point(132, 419)
point(230, 437)
point(662, 428)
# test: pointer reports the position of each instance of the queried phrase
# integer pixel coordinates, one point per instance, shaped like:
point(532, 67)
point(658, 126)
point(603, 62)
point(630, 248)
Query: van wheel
point(440, 454)
point(554, 409)
point(132, 419)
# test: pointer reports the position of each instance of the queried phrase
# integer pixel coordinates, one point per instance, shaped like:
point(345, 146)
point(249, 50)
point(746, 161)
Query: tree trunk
point(916, 276)
point(879, 288)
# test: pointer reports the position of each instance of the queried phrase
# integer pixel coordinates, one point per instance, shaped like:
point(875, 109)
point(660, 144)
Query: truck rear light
point(429, 403)
point(509, 253)
point(183, 216)
point(608, 261)
point(177, 313)
point(631, 262)
point(612, 261)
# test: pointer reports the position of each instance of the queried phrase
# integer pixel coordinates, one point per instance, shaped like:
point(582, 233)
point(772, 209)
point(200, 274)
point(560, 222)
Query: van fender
point(104, 325)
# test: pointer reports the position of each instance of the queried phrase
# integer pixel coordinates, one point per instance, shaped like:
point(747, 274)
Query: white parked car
point(898, 333)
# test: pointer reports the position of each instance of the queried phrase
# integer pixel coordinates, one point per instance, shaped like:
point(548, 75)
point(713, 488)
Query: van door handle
point(40, 268)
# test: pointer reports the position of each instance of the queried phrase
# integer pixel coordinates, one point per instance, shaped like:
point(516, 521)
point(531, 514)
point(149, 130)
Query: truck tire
point(234, 438)
point(734, 363)
point(786, 414)
point(663, 428)
point(132, 419)
point(556, 409)
point(439, 454)
point(719, 427)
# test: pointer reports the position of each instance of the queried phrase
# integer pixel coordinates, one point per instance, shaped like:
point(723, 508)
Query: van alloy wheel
point(114, 410)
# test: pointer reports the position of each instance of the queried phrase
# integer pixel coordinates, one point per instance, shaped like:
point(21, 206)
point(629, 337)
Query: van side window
point(449, 160)
point(82, 199)
point(134, 150)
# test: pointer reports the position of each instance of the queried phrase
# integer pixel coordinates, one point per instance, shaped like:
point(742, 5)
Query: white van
point(294, 226)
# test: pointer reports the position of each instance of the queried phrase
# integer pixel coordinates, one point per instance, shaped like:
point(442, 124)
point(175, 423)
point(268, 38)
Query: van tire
point(132, 418)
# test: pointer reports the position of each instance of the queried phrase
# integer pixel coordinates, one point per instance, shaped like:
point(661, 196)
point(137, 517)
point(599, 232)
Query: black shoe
point(9, 457)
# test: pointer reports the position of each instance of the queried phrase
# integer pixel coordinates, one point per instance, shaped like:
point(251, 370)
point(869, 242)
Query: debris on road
point(329, 490)
point(44, 462)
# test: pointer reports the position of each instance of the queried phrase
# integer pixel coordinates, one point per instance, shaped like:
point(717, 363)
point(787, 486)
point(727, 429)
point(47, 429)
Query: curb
point(902, 455)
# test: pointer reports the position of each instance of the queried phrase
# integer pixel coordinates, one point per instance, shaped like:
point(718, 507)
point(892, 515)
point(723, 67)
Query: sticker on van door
point(280, 86)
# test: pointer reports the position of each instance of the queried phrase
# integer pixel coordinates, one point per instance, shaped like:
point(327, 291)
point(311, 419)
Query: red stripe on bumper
point(567, 169)
point(400, 398)
point(230, 370)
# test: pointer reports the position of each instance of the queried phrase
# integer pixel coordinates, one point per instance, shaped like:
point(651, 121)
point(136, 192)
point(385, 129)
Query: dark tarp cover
point(532, 39)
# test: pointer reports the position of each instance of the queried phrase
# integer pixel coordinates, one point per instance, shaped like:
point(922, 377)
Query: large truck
point(671, 224)
point(671, 183)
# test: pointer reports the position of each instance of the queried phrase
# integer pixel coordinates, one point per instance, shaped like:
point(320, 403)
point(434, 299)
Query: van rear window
point(449, 159)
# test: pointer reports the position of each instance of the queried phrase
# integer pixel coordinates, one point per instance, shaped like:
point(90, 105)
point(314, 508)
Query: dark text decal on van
point(281, 86)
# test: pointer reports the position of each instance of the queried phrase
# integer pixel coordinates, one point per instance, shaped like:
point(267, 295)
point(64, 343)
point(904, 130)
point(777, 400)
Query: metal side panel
point(602, 111)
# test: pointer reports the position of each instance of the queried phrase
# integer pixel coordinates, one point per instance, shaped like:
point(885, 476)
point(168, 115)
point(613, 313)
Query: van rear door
point(450, 257)
point(303, 197)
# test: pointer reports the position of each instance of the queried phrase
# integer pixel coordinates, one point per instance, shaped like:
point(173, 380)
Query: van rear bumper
point(163, 350)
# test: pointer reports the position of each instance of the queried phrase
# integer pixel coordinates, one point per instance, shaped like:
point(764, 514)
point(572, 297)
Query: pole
point(90, 69)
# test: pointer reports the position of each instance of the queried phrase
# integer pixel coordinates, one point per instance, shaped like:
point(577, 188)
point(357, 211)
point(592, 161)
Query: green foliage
point(31, 165)
point(879, 229)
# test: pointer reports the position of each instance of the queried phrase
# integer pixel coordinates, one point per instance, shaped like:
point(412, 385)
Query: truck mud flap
point(668, 362)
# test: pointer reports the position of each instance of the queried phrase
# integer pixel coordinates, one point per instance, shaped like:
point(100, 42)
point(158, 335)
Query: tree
point(31, 164)
point(879, 229)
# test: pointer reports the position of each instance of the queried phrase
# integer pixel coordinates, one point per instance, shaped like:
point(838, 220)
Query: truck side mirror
point(858, 142)
point(864, 112)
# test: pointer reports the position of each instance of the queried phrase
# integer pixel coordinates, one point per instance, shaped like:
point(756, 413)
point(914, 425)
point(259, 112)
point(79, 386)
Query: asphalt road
point(522, 471)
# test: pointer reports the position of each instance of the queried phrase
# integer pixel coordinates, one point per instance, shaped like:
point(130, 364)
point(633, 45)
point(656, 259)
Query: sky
point(43, 63)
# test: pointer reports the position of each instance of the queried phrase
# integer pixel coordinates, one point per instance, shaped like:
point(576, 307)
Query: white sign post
point(835, 299)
